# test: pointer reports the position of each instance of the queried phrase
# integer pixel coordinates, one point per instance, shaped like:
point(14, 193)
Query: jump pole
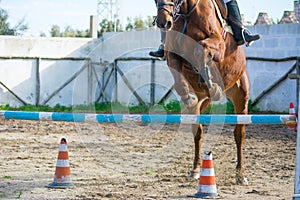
point(150, 118)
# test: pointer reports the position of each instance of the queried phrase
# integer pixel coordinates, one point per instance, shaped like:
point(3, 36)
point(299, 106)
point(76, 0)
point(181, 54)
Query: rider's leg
point(160, 53)
point(241, 34)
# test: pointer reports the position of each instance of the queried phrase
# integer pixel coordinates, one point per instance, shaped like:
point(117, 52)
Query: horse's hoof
point(241, 181)
point(191, 101)
point(215, 92)
point(194, 175)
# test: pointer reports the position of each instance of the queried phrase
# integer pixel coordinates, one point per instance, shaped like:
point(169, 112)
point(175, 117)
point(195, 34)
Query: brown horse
point(205, 62)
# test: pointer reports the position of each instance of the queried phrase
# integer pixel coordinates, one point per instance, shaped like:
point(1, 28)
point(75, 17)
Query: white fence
point(70, 71)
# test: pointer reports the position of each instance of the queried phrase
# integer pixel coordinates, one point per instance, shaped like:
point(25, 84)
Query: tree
point(20, 27)
point(80, 33)
point(42, 34)
point(129, 26)
point(6, 29)
point(4, 25)
point(67, 32)
point(149, 22)
point(110, 26)
point(139, 24)
point(55, 31)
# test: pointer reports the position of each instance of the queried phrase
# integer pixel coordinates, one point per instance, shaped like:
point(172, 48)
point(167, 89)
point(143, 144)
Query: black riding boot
point(241, 34)
point(160, 53)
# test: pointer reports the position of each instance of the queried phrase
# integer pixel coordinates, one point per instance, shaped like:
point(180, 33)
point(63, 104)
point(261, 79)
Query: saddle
point(222, 7)
point(222, 14)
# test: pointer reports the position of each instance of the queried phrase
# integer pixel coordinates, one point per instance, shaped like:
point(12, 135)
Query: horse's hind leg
point(239, 96)
point(239, 136)
point(198, 137)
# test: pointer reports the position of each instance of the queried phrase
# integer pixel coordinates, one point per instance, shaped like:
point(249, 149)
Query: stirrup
point(247, 32)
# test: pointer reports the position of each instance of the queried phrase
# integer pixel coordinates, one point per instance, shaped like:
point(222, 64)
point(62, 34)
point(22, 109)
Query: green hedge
point(116, 107)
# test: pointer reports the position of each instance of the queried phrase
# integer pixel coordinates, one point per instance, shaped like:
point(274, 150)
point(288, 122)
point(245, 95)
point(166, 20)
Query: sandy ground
point(135, 161)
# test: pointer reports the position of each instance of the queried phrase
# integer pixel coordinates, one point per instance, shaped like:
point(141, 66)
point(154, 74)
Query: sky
point(40, 15)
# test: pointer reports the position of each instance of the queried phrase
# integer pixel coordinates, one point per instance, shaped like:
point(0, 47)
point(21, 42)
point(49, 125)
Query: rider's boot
point(241, 34)
point(160, 53)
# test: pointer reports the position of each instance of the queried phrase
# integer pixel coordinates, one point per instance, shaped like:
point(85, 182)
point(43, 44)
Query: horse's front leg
point(198, 134)
point(208, 55)
point(197, 131)
point(181, 85)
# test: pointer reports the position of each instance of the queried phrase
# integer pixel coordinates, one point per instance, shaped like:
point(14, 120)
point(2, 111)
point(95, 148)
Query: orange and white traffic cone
point(207, 184)
point(62, 177)
point(293, 113)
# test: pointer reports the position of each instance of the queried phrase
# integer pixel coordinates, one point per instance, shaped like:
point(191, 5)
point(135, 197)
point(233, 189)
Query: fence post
point(298, 82)
point(297, 170)
point(152, 84)
point(38, 82)
point(116, 80)
point(90, 82)
point(93, 26)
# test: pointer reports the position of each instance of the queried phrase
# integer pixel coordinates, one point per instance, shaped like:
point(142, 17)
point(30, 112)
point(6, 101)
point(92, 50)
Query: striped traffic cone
point(293, 113)
point(62, 178)
point(207, 185)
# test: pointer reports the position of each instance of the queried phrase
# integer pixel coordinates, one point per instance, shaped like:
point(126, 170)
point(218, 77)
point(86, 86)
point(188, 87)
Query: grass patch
point(19, 193)
point(150, 172)
point(228, 108)
point(7, 177)
point(116, 107)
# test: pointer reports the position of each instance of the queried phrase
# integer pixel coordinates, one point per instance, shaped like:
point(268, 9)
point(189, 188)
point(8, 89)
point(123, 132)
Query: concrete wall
point(278, 41)
point(20, 73)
